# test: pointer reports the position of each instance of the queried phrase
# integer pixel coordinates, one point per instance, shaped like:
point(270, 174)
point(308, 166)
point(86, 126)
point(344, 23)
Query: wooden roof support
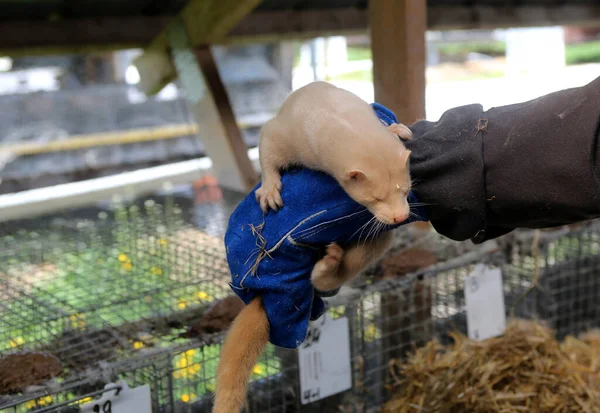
point(183, 49)
point(30, 38)
point(299, 24)
point(338, 21)
point(206, 22)
point(398, 29)
point(233, 137)
point(211, 107)
point(26, 38)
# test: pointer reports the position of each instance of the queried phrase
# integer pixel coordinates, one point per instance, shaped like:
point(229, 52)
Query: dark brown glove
point(528, 165)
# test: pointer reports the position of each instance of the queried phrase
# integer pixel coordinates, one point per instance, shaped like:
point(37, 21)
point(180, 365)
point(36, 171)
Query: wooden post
point(398, 29)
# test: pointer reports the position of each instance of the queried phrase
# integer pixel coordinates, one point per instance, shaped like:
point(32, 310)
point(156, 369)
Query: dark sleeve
point(528, 165)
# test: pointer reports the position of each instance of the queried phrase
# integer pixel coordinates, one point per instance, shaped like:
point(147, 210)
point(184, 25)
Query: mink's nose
point(400, 218)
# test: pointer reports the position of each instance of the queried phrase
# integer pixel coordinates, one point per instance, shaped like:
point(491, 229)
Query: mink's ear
point(401, 131)
point(356, 175)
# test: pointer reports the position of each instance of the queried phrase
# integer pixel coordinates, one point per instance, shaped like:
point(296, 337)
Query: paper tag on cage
point(484, 297)
point(125, 400)
point(324, 359)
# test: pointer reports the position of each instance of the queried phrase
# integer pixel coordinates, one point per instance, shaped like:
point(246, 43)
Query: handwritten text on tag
point(126, 400)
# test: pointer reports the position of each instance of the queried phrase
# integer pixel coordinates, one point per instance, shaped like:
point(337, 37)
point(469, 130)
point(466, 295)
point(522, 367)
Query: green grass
point(588, 52)
point(359, 53)
point(354, 53)
point(492, 48)
point(93, 282)
point(357, 75)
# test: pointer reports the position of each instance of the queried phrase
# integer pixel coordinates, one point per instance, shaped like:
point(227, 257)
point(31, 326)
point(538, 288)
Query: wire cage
point(97, 293)
point(116, 294)
point(547, 276)
point(139, 292)
point(560, 267)
point(118, 297)
point(390, 316)
point(392, 313)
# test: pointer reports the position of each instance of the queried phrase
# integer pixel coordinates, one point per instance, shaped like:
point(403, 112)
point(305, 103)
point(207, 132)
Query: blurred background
point(48, 93)
point(128, 133)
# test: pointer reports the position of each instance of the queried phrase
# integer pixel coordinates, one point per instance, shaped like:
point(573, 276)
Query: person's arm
point(528, 165)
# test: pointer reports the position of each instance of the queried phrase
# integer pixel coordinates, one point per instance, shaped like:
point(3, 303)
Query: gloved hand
point(273, 255)
point(528, 165)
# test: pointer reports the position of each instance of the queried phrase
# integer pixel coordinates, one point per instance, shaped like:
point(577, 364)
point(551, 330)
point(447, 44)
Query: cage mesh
point(97, 293)
point(114, 294)
point(113, 297)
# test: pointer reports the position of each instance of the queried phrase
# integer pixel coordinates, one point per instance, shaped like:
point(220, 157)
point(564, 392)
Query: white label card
point(324, 359)
point(484, 298)
point(136, 400)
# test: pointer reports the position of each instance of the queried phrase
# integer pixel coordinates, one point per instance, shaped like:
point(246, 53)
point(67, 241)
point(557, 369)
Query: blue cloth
point(272, 255)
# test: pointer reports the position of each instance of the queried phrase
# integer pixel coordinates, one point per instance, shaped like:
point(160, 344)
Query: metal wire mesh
point(391, 317)
point(101, 292)
point(548, 276)
point(562, 266)
point(111, 298)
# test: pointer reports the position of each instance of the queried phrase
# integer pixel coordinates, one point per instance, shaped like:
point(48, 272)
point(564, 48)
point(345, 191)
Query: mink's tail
point(245, 342)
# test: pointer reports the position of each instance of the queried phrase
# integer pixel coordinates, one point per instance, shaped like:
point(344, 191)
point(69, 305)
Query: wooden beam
point(210, 105)
point(498, 17)
point(25, 38)
point(28, 38)
point(291, 24)
point(233, 135)
point(398, 48)
point(303, 24)
point(206, 22)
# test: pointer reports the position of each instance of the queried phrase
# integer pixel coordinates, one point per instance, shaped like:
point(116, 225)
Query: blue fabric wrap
point(316, 212)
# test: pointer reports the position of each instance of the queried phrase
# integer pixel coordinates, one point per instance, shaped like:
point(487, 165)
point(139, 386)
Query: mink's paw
point(324, 275)
point(269, 196)
point(401, 130)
